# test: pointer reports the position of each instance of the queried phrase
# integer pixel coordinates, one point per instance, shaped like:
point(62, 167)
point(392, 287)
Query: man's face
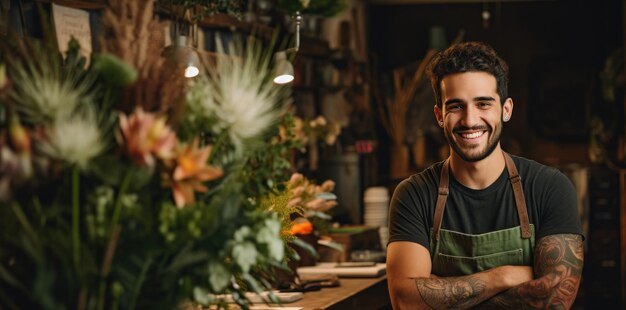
point(472, 114)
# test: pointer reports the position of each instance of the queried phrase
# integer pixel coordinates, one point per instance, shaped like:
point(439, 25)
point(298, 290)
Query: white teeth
point(472, 135)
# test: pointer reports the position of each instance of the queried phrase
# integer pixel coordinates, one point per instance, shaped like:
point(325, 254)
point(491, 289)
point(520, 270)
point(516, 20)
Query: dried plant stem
point(106, 264)
point(393, 111)
point(132, 33)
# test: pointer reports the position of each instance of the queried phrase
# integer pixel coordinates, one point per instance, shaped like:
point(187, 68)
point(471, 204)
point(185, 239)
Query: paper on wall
point(70, 22)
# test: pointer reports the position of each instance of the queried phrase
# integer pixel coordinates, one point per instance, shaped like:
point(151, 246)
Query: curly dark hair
point(468, 57)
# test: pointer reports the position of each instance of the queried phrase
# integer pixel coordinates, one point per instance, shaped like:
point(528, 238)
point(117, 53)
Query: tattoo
point(558, 268)
point(450, 292)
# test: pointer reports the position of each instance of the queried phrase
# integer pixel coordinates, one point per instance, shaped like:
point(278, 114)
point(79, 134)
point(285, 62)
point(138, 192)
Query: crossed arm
point(557, 271)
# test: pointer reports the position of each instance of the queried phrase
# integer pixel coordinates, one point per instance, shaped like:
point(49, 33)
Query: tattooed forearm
point(451, 292)
point(558, 267)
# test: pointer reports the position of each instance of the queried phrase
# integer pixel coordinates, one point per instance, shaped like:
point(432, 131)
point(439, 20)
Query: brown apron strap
point(442, 196)
point(518, 191)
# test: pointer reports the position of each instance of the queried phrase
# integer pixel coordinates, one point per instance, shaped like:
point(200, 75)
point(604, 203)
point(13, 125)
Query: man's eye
point(454, 108)
point(484, 104)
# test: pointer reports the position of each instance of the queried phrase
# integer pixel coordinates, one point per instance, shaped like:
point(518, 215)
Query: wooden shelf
point(77, 4)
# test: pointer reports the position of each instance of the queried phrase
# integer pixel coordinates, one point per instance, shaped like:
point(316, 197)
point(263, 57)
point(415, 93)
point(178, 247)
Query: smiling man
point(483, 228)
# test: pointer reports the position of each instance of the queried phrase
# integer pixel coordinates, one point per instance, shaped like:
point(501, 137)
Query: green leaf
point(326, 196)
point(201, 295)
point(114, 70)
point(305, 246)
point(219, 276)
point(245, 255)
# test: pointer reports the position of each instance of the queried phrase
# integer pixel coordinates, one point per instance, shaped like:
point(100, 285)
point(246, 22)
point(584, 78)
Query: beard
point(470, 155)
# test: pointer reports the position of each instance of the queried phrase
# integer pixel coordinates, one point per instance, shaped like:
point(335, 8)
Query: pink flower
point(190, 172)
point(145, 136)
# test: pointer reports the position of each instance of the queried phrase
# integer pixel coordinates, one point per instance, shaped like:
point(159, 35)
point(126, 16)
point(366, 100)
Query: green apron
point(455, 253)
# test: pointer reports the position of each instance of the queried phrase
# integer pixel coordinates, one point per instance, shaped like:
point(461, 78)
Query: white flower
point(43, 95)
point(75, 139)
point(238, 95)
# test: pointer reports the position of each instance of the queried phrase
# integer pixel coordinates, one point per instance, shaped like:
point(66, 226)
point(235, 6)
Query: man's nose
point(471, 116)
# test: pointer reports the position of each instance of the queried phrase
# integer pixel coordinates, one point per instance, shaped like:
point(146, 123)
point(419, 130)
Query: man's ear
point(507, 110)
point(438, 115)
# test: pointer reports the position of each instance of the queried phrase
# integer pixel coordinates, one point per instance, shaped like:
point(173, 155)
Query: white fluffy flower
point(238, 95)
point(43, 95)
point(75, 139)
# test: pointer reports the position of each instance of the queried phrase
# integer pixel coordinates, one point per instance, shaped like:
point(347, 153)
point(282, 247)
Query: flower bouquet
point(316, 129)
point(124, 185)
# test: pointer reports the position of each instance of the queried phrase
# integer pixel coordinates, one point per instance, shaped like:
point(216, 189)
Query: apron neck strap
point(442, 196)
point(518, 192)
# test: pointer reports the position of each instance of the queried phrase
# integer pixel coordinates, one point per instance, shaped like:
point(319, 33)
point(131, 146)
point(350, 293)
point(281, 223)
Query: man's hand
point(412, 286)
point(468, 291)
point(558, 267)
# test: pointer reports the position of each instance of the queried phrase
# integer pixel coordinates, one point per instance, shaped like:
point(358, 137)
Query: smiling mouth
point(471, 135)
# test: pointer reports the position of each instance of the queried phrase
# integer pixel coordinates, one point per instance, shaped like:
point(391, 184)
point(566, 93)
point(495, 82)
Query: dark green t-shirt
point(550, 200)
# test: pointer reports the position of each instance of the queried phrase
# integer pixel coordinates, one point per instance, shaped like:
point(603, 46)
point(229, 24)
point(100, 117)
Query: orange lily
point(191, 171)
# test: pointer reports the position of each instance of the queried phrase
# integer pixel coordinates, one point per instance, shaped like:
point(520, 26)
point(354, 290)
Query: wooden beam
point(622, 232)
point(405, 2)
point(622, 183)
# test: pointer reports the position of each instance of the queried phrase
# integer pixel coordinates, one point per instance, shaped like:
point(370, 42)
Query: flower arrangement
point(316, 129)
point(313, 201)
point(123, 185)
point(304, 207)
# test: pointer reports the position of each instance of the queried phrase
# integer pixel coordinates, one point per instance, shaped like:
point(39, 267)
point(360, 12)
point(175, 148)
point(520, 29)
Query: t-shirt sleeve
point(407, 220)
point(560, 213)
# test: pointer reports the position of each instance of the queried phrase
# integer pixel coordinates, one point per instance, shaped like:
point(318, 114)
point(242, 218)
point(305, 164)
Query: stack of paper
point(375, 270)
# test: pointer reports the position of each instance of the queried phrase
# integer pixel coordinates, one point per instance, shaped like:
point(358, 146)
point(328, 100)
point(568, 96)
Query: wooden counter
point(353, 293)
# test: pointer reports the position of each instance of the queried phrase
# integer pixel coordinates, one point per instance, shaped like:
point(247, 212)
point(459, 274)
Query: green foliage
point(110, 235)
point(326, 8)
point(203, 8)
point(270, 165)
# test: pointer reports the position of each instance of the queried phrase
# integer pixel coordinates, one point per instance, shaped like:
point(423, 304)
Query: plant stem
point(106, 265)
point(21, 217)
point(140, 279)
point(117, 209)
point(39, 209)
point(75, 215)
